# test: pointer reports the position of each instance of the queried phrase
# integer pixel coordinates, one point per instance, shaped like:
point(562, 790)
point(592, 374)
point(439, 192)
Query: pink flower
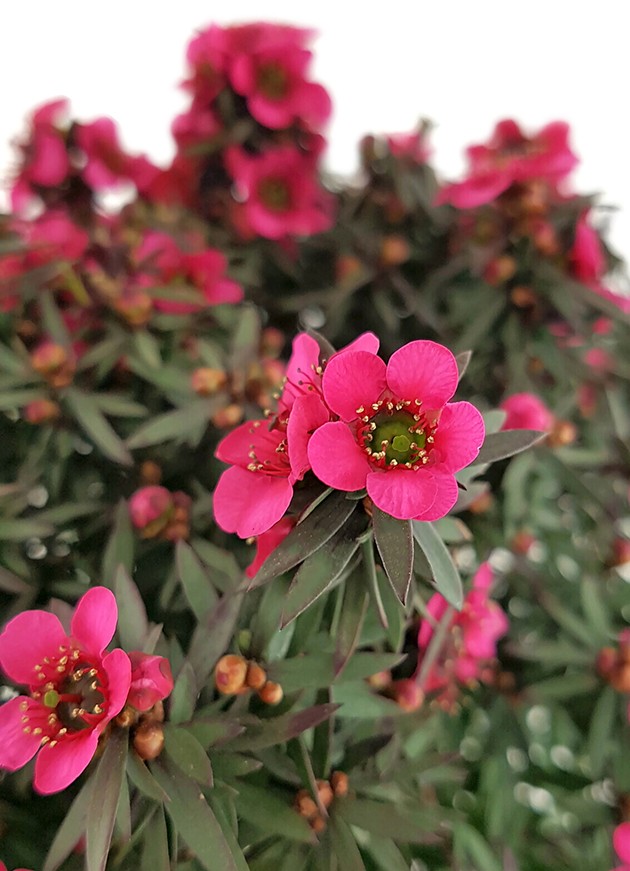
point(46, 162)
point(510, 158)
point(151, 680)
point(267, 458)
point(3, 867)
point(586, 257)
point(75, 689)
point(268, 541)
point(269, 68)
point(107, 164)
point(150, 508)
point(53, 236)
point(281, 193)
point(526, 411)
point(409, 146)
point(472, 639)
point(399, 435)
point(621, 842)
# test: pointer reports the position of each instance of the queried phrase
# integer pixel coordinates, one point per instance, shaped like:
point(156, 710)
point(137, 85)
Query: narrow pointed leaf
point(155, 855)
point(101, 812)
point(119, 549)
point(445, 574)
point(142, 779)
point(184, 695)
point(500, 445)
point(355, 604)
point(267, 733)
point(133, 625)
point(344, 845)
point(176, 424)
point(387, 820)
point(395, 545)
point(70, 831)
point(195, 581)
point(186, 752)
point(212, 636)
point(96, 427)
point(271, 815)
point(307, 537)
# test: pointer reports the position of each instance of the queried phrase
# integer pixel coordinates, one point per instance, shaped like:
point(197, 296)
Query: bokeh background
point(459, 64)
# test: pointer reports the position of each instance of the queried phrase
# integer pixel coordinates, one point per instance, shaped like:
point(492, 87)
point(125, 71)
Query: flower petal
point(351, 380)
point(249, 503)
point(235, 447)
point(458, 437)
point(336, 458)
point(621, 841)
point(423, 370)
point(17, 747)
point(402, 493)
point(94, 620)
point(26, 640)
point(436, 607)
point(58, 766)
point(365, 342)
point(117, 667)
point(446, 494)
point(302, 363)
point(308, 413)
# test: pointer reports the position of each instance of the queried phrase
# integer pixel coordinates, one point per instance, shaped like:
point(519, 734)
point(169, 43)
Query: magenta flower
point(107, 163)
point(621, 842)
point(526, 411)
point(75, 689)
point(151, 680)
point(3, 867)
point(268, 541)
point(412, 147)
point(151, 507)
point(53, 236)
point(46, 162)
point(472, 639)
point(281, 194)
point(510, 158)
point(399, 436)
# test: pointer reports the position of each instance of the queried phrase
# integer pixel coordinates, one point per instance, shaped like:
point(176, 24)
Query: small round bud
point(42, 411)
point(394, 251)
point(380, 680)
point(318, 824)
point(305, 805)
point(620, 552)
point(127, 717)
point(230, 673)
point(523, 297)
point(500, 270)
point(150, 472)
point(339, 783)
point(148, 740)
point(407, 694)
point(256, 676)
point(522, 542)
point(206, 381)
point(482, 504)
point(325, 793)
point(134, 306)
point(563, 433)
point(619, 677)
point(606, 662)
point(227, 417)
point(271, 693)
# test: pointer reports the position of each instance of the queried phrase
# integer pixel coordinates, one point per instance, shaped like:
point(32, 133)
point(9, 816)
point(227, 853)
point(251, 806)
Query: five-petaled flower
point(398, 436)
point(74, 689)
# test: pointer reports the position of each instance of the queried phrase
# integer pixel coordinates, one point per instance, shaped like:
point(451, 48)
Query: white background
point(461, 63)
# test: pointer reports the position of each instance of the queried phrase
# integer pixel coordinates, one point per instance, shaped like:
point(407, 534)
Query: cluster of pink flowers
point(471, 642)
point(75, 688)
point(355, 423)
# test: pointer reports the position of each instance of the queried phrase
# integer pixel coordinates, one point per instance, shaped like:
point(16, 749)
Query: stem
point(435, 647)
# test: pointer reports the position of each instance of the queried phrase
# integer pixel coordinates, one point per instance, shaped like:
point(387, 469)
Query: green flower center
point(275, 194)
point(272, 81)
point(394, 435)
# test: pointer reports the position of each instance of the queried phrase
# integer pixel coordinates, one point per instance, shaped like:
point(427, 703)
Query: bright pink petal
point(436, 607)
point(423, 370)
point(336, 458)
point(249, 503)
point(353, 380)
point(94, 621)
point(117, 667)
point(236, 445)
point(446, 494)
point(621, 841)
point(27, 639)
point(459, 436)
point(402, 493)
point(268, 542)
point(365, 342)
point(58, 766)
point(17, 747)
point(475, 191)
point(484, 577)
point(307, 415)
point(300, 369)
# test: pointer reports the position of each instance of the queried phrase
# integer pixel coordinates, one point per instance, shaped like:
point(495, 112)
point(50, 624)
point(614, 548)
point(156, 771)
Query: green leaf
point(186, 752)
point(142, 779)
point(307, 537)
point(603, 721)
point(101, 812)
point(19, 398)
point(395, 545)
point(147, 348)
point(194, 819)
point(118, 405)
point(177, 424)
point(71, 829)
point(500, 445)
point(386, 820)
point(133, 626)
point(445, 574)
point(318, 670)
point(353, 611)
point(195, 581)
point(271, 815)
point(52, 320)
point(214, 730)
point(23, 528)
point(212, 636)
point(266, 733)
point(564, 686)
point(245, 338)
point(94, 424)
point(476, 848)
point(119, 549)
point(344, 845)
point(319, 573)
point(184, 696)
point(155, 855)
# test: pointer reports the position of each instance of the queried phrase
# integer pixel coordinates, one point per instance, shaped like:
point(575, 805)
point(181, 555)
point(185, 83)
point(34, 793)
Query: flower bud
point(271, 341)
point(500, 270)
point(606, 662)
point(230, 673)
point(380, 680)
point(148, 740)
point(271, 693)
point(563, 433)
point(347, 267)
point(523, 297)
point(127, 717)
point(54, 363)
point(206, 381)
point(482, 503)
point(227, 417)
point(150, 472)
point(256, 676)
point(522, 542)
point(151, 680)
point(407, 694)
point(325, 793)
point(305, 805)
point(41, 411)
point(339, 783)
point(620, 552)
point(134, 306)
point(394, 251)
point(150, 509)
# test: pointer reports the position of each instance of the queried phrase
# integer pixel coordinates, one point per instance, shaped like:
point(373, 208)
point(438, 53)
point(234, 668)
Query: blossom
point(268, 541)
point(151, 680)
point(106, 162)
point(53, 236)
point(621, 842)
point(511, 157)
point(412, 147)
point(526, 411)
point(398, 434)
point(75, 689)
point(46, 162)
point(472, 638)
point(280, 192)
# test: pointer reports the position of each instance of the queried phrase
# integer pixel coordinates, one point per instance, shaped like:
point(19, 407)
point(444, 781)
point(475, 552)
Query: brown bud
point(54, 363)
point(368, 505)
point(347, 267)
point(148, 740)
point(154, 714)
point(482, 503)
point(305, 805)
point(500, 270)
point(339, 783)
point(127, 717)
point(523, 297)
point(271, 693)
point(150, 472)
point(606, 662)
point(620, 552)
point(318, 824)
point(134, 306)
point(522, 542)
point(256, 676)
point(563, 433)
point(407, 694)
point(206, 381)
point(42, 411)
point(325, 793)
point(619, 678)
point(229, 674)
point(228, 417)
point(271, 341)
point(394, 251)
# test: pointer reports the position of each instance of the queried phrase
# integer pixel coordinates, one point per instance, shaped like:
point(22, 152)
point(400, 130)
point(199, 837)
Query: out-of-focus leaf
point(176, 424)
point(212, 636)
point(271, 815)
point(118, 405)
point(386, 854)
point(445, 574)
point(194, 819)
point(266, 733)
point(147, 348)
point(470, 844)
point(94, 424)
point(194, 579)
point(564, 686)
point(52, 320)
point(23, 528)
point(142, 778)
point(386, 820)
point(245, 338)
point(395, 545)
point(184, 695)
point(19, 398)
point(119, 549)
point(355, 603)
point(155, 855)
point(601, 728)
point(500, 445)
point(71, 829)
point(133, 626)
point(10, 583)
point(101, 812)
point(318, 670)
point(186, 752)
point(344, 845)
point(307, 537)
